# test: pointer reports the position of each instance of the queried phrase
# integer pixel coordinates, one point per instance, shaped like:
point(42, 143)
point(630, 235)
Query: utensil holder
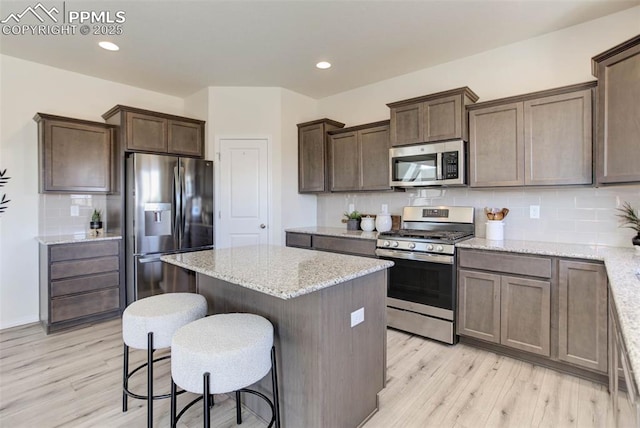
point(495, 230)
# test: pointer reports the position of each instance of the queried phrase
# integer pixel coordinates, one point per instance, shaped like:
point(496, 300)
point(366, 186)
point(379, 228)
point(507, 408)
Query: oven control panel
point(422, 247)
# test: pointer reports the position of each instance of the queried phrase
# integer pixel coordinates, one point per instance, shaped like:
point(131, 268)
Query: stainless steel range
point(421, 296)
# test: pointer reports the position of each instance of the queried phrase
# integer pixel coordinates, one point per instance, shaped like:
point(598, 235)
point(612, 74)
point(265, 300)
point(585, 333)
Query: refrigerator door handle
point(148, 259)
point(183, 206)
point(177, 210)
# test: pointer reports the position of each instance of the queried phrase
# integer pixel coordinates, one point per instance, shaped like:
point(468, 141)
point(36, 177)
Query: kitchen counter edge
point(75, 239)
point(335, 231)
point(267, 276)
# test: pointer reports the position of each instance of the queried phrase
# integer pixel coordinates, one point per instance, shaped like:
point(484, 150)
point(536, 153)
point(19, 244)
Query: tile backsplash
point(568, 215)
point(57, 213)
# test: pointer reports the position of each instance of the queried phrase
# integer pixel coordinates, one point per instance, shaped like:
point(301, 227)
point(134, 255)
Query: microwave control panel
point(450, 165)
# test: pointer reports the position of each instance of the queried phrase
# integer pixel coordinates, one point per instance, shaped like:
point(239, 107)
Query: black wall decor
point(4, 201)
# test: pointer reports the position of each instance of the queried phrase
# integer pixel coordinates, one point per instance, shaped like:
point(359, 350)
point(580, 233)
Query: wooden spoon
point(505, 211)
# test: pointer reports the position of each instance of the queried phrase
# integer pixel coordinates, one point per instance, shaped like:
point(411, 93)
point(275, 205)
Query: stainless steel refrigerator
point(169, 209)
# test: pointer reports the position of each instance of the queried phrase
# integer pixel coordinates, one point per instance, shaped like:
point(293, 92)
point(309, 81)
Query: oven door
point(421, 283)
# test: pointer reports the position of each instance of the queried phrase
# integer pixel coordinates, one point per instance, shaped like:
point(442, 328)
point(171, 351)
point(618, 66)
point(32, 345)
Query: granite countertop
point(76, 238)
point(341, 232)
point(283, 272)
point(623, 270)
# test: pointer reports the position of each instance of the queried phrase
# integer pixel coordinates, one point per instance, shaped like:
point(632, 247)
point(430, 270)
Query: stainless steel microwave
point(429, 164)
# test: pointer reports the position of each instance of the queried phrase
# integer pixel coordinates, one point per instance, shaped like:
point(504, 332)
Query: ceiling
point(179, 47)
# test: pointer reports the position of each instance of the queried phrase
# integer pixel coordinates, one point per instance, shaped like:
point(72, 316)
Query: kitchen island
point(328, 312)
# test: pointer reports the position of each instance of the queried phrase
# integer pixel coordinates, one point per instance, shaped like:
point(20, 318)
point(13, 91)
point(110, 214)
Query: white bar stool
point(221, 354)
point(150, 324)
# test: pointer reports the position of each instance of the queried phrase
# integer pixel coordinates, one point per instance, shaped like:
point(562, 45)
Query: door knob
point(262, 226)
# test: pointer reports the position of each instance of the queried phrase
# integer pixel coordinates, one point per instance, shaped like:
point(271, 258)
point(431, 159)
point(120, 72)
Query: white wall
point(555, 59)
point(581, 215)
point(248, 112)
point(297, 210)
point(27, 88)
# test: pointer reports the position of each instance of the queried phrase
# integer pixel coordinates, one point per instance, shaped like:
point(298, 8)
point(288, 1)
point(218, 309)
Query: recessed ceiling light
point(323, 65)
point(109, 46)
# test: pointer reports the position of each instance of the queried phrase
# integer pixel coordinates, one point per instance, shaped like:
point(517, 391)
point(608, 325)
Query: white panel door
point(244, 198)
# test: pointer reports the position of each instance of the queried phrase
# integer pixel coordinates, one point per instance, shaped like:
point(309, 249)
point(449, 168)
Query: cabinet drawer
point(361, 247)
point(81, 305)
point(298, 240)
point(83, 250)
point(83, 267)
point(508, 263)
point(84, 284)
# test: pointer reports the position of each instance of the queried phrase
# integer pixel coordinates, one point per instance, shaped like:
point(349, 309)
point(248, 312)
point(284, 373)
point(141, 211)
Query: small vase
point(368, 224)
point(353, 224)
point(383, 222)
point(636, 243)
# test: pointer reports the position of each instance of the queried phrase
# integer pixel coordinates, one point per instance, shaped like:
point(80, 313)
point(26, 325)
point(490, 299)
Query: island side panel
point(329, 373)
point(297, 341)
point(369, 364)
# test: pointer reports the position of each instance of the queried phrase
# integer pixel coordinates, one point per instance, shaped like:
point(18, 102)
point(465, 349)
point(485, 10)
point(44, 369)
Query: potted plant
point(353, 220)
point(629, 218)
point(96, 220)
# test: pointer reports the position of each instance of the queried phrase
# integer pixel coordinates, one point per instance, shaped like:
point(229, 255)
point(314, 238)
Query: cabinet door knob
point(262, 226)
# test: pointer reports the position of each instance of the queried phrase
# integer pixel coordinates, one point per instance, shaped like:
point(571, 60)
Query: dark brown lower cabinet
point(525, 314)
point(79, 283)
point(548, 310)
point(582, 314)
point(508, 310)
point(332, 244)
point(620, 370)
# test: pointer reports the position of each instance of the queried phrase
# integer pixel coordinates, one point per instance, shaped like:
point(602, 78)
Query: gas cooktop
point(428, 235)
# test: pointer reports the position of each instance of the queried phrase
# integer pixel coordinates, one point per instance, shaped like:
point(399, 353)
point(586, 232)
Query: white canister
point(495, 230)
point(383, 222)
point(367, 224)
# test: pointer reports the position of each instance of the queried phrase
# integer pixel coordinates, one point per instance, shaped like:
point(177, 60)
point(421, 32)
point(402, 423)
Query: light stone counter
point(623, 270)
point(74, 239)
point(283, 272)
point(335, 231)
point(331, 361)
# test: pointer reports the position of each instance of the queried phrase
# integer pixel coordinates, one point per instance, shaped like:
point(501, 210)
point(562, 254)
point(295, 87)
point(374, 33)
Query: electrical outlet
point(357, 317)
point(385, 208)
point(534, 211)
point(75, 210)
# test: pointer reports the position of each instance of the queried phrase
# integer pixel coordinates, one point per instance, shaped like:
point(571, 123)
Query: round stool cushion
point(234, 348)
point(162, 314)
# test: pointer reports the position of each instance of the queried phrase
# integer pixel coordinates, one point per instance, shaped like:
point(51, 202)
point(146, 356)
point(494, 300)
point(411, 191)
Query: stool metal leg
point(173, 404)
point(205, 399)
point(150, 380)
point(125, 378)
point(274, 380)
point(238, 408)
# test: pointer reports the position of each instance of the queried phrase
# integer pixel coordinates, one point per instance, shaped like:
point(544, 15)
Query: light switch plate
point(357, 317)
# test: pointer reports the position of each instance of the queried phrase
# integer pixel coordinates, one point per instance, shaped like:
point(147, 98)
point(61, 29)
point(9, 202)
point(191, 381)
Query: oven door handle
point(421, 257)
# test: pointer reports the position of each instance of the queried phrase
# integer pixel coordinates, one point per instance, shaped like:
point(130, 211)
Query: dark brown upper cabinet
point(313, 164)
point(434, 117)
point(359, 157)
point(618, 130)
point(152, 132)
point(74, 155)
point(538, 139)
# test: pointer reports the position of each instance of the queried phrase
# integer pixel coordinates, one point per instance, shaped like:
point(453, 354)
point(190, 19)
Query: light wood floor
point(73, 379)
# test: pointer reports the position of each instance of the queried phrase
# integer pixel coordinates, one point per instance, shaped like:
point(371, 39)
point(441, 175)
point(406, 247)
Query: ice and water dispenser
point(157, 219)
